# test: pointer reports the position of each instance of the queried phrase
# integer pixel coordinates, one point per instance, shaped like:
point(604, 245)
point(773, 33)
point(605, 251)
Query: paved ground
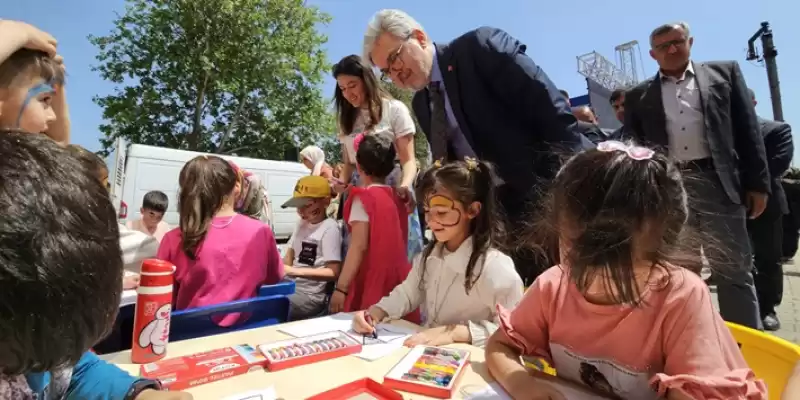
point(789, 310)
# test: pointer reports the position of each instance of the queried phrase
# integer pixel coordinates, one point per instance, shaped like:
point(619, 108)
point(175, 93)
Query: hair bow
point(634, 152)
point(472, 163)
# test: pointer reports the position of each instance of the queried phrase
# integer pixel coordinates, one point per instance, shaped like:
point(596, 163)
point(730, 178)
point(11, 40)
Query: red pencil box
point(210, 366)
point(429, 371)
point(361, 389)
point(309, 349)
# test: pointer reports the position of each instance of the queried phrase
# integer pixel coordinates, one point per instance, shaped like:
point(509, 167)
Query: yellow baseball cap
point(308, 188)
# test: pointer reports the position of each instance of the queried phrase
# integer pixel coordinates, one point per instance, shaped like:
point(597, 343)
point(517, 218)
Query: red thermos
point(153, 310)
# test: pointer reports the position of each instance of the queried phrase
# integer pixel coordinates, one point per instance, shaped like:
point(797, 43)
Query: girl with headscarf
point(314, 159)
point(253, 200)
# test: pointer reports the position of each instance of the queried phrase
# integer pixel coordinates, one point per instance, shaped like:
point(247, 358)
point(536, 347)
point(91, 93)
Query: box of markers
point(200, 368)
point(308, 349)
point(429, 371)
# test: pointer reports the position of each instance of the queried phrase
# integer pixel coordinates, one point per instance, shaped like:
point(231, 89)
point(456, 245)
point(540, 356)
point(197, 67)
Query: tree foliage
point(421, 149)
point(225, 76)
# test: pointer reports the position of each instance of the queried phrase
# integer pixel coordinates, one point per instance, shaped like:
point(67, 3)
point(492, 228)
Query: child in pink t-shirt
point(220, 256)
point(620, 316)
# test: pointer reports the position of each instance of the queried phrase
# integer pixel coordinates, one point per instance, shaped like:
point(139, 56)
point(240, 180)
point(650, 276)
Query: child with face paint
point(377, 219)
point(461, 275)
point(32, 97)
point(314, 257)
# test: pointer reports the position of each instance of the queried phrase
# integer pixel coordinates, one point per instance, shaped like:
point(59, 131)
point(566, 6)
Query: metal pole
point(770, 52)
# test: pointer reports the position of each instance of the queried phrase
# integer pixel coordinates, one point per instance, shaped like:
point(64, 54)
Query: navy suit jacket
point(508, 109)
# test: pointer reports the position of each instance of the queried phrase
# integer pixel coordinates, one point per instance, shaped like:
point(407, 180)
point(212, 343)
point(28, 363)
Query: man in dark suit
point(617, 100)
point(587, 125)
point(766, 231)
point(480, 96)
point(702, 116)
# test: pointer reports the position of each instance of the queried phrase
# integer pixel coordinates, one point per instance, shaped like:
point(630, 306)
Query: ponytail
point(604, 242)
point(205, 183)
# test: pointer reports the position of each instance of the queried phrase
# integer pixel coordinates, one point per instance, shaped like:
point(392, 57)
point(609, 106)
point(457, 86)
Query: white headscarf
point(316, 157)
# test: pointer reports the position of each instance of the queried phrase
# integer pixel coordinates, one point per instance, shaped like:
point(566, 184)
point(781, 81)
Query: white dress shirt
point(685, 119)
point(443, 298)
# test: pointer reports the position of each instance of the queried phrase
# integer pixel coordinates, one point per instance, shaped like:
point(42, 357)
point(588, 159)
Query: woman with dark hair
point(363, 106)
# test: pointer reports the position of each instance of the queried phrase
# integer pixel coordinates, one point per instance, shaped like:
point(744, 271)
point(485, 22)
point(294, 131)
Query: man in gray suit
point(702, 116)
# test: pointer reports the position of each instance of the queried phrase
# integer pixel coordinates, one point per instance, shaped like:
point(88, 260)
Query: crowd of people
point(608, 233)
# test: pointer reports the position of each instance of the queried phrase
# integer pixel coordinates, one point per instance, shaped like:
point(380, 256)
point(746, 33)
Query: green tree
point(420, 141)
point(224, 76)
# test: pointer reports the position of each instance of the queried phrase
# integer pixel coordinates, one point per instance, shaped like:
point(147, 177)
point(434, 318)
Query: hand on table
point(363, 323)
point(337, 302)
point(27, 37)
point(160, 395)
point(130, 282)
point(438, 336)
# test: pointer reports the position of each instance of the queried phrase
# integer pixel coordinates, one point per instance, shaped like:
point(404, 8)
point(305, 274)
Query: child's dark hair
point(613, 209)
point(156, 200)
point(90, 161)
point(26, 65)
point(59, 240)
point(375, 156)
point(468, 181)
point(205, 182)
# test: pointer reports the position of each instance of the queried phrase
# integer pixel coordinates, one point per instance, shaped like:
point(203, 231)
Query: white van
point(155, 168)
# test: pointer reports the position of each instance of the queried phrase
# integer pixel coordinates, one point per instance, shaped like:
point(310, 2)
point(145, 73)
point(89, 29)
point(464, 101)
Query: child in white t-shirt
point(314, 257)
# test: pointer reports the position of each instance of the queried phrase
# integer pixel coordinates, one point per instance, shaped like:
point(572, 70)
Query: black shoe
point(771, 322)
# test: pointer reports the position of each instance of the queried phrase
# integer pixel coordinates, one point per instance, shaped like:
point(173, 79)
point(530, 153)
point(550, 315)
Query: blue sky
point(555, 32)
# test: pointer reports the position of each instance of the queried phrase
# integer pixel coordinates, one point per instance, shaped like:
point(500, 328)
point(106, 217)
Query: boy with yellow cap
point(314, 257)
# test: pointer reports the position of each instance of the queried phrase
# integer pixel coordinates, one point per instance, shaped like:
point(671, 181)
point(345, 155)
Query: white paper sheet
point(390, 337)
point(495, 392)
point(266, 394)
point(492, 392)
point(330, 323)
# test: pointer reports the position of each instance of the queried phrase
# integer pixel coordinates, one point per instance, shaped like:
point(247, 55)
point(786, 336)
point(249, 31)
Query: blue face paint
point(32, 93)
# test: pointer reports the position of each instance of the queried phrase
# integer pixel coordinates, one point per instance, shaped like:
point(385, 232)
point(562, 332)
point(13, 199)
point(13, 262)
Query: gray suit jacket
point(737, 147)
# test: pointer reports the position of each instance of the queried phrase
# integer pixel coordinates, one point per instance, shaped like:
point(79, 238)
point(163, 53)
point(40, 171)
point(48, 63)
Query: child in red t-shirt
point(377, 220)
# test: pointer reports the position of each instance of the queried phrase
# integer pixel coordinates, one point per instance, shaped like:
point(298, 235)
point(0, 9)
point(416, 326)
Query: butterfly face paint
point(442, 210)
point(33, 92)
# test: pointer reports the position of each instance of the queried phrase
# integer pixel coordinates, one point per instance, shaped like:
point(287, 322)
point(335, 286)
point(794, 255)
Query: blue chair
point(284, 288)
point(197, 322)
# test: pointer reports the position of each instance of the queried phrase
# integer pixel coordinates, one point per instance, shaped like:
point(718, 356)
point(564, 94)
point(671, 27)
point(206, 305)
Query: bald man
point(585, 114)
point(587, 125)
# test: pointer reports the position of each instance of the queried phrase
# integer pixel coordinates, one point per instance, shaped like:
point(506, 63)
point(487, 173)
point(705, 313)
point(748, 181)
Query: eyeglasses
point(391, 60)
point(678, 43)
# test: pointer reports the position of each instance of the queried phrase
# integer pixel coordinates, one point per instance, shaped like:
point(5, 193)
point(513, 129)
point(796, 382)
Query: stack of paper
point(390, 337)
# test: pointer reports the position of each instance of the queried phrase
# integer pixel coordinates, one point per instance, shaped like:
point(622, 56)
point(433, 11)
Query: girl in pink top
point(220, 256)
point(620, 316)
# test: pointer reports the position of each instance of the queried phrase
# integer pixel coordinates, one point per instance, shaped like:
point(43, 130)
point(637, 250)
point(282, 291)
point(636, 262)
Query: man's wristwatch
point(140, 386)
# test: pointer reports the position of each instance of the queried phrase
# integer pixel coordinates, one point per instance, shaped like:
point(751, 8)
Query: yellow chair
point(770, 357)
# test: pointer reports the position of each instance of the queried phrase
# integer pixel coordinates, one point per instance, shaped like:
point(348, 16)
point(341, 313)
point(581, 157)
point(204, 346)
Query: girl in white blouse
point(461, 276)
